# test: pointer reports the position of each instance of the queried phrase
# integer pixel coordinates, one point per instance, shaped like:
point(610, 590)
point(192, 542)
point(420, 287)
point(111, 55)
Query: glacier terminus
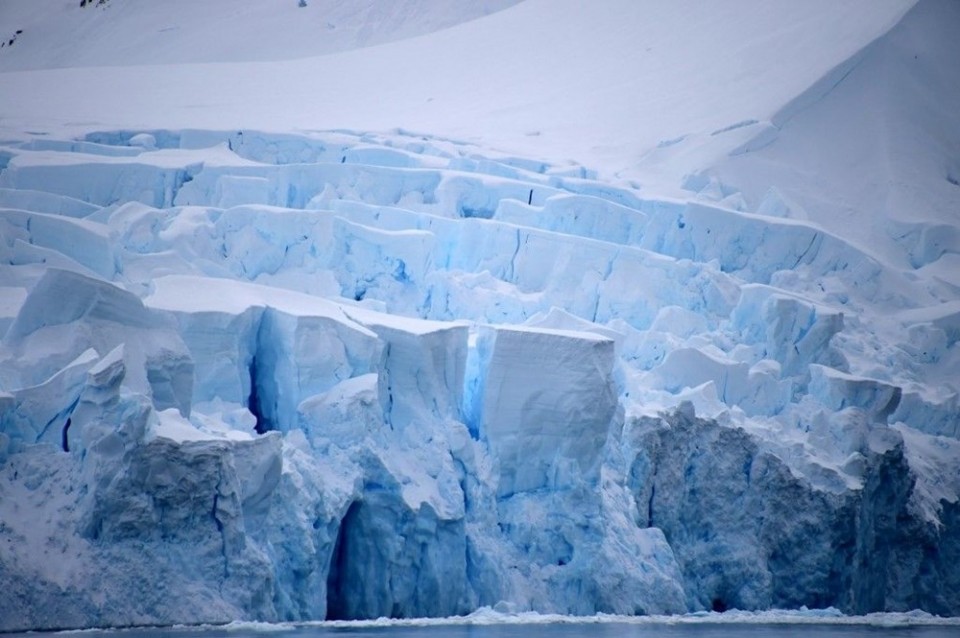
point(307, 372)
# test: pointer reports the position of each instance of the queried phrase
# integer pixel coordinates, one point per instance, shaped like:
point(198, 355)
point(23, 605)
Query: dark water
point(632, 631)
point(561, 630)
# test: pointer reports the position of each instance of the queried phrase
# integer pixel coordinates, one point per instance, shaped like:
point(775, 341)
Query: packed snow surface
point(503, 312)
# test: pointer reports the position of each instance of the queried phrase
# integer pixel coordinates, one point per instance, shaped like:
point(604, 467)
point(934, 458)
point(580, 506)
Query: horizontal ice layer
point(587, 216)
point(749, 532)
point(85, 242)
point(538, 269)
point(757, 247)
point(100, 180)
point(45, 202)
point(297, 185)
point(87, 148)
point(752, 246)
point(421, 372)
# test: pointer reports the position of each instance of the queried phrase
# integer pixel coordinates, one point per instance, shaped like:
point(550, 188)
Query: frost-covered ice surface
point(269, 355)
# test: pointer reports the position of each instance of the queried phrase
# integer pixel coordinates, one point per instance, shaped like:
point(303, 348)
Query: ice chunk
point(39, 201)
point(235, 190)
point(62, 297)
point(794, 331)
point(345, 414)
point(473, 196)
point(11, 300)
point(749, 531)
point(300, 355)
point(87, 243)
point(40, 413)
point(145, 141)
point(190, 494)
point(545, 403)
point(945, 316)
point(839, 390)
point(417, 566)
point(754, 389)
point(265, 347)
point(592, 217)
point(384, 264)
point(422, 371)
point(67, 313)
point(936, 416)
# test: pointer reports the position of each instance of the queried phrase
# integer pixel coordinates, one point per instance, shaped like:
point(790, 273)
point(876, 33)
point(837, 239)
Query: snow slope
point(599, 84)
point(624, 307)
point(111, 33)
point(883, 143)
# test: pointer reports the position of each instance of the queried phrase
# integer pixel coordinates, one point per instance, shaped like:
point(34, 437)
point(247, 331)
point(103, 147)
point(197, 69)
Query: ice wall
point(282, 377)
point(545, 405)
point(750, 533)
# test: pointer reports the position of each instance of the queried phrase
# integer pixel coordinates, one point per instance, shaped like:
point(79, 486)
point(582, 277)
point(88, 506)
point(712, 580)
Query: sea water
point(489, 624)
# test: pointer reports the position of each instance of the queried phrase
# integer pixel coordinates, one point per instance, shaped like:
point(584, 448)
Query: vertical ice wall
point(545, 405)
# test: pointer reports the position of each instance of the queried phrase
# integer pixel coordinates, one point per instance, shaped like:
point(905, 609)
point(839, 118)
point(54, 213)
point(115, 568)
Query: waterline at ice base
point(519, 312)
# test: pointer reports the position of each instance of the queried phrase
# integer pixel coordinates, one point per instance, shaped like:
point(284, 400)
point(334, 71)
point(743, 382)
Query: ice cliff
point(343, 374)
point(364, 383)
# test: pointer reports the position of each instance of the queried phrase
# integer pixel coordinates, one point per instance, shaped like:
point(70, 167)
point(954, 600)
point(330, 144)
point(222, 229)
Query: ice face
point(286, 377)
point(264, 348)
point(547, 431)
point(421, 370)
point(416, 567)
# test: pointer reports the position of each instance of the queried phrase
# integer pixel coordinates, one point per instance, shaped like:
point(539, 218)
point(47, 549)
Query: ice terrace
point(354, 335)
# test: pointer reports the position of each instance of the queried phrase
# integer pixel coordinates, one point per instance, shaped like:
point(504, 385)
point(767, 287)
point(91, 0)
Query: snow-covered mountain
point(367, 309)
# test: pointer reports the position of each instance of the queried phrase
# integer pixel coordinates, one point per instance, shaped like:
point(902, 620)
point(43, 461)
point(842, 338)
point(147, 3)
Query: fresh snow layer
point(598, 309)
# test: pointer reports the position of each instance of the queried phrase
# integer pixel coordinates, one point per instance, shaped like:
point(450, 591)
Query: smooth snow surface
point(114, 33)
point(549, 307)
point(601, 84)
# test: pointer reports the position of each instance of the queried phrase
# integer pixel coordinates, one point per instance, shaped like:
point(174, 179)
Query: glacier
point(356, 397)
point(291, 372)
